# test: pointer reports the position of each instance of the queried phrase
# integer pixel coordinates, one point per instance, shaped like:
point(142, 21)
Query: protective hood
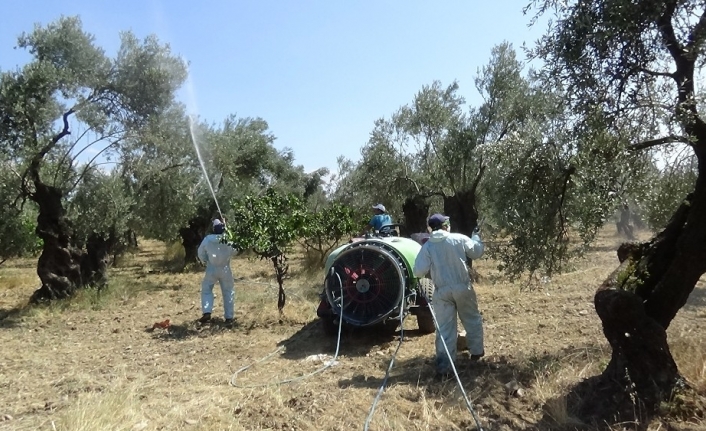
point(438, 235)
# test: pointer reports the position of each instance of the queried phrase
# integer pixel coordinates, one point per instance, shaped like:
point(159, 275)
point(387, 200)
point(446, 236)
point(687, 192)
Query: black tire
point(426, 288)
point(425, 321)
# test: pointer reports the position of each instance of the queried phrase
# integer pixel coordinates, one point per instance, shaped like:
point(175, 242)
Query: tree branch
point(666, 30)
point(476, 181)
point(112, 135)
point(145, 182)
point(562, 226)
point(655, 73)
point(68, 151)
point(88, 165)
point(414, 183)
point(660, 141)
point(64, 132)
point(33, 168)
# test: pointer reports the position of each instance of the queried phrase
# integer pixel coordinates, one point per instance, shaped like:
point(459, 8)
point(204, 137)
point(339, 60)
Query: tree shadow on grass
point(491, 384)
point(11, 317)
point(603, 402)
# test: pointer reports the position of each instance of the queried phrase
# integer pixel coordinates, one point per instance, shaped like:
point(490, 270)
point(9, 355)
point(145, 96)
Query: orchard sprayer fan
point(372, 277)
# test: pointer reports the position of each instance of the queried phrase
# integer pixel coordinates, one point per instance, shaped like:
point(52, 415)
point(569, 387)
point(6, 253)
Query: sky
point(319, 72)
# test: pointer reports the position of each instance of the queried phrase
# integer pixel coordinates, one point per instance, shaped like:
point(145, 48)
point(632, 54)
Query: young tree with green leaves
point(268, 225)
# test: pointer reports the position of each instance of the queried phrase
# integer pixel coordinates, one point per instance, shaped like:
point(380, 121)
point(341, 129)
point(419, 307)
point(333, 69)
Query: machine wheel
point(426, 288)
point(425, 322)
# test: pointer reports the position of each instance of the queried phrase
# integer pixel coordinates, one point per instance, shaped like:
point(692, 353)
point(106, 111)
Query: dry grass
point(93, 363)
point(690, 355)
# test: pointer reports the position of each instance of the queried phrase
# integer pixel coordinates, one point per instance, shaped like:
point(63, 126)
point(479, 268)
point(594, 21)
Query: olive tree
point(72, 97)
point(326, 227)
point(173, 185)
point(102, 212)
point(631, 71)
point(432, 152)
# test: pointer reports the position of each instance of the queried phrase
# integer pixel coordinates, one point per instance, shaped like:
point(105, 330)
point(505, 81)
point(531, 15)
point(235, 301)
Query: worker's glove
point(476, 230)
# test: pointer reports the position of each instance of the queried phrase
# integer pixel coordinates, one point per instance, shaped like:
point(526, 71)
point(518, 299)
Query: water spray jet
point(194, 140)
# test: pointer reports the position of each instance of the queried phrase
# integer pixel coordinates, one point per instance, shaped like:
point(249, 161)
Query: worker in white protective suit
point(445, 255)
point(216, 256)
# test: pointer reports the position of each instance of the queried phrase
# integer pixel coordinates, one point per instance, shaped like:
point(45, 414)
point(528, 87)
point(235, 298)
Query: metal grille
point(373, 279)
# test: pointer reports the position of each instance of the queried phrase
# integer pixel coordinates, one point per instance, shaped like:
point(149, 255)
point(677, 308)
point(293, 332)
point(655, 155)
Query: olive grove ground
point(97, 363)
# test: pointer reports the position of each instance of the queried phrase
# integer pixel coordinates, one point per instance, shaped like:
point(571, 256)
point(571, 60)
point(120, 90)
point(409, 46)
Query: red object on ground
point(162, 325)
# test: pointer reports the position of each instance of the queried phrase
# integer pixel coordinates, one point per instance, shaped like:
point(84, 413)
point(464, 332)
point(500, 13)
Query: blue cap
point(437, 220)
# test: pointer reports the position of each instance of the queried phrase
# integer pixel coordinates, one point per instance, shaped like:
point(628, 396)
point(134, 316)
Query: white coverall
point(444, 255)
point(217, 256)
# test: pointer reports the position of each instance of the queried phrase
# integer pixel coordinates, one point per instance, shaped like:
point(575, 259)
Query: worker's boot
point(477, 357)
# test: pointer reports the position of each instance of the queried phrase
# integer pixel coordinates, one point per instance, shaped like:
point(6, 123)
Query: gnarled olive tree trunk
point(461, 207)
point(96, 260)
point(191, 237)
point(637, 303)
point(59, 265)
point(416, 212)
point(63, 266)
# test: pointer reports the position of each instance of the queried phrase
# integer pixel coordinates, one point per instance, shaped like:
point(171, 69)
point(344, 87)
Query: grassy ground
point(97, 362)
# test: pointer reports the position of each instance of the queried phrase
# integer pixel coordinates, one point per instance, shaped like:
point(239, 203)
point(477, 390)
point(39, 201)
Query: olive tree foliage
point(437, 148)
point(666, 191)
point(326, 227)
point(549, 185)
point(630, 71)
point(101, 205)
point(63, 111)
point(382, 175)
point(17, 237)
point(173, 161)
point(162, 175)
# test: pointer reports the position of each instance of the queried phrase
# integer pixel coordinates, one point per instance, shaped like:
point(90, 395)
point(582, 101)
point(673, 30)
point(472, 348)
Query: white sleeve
point(422, 264)
point(474, 247)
